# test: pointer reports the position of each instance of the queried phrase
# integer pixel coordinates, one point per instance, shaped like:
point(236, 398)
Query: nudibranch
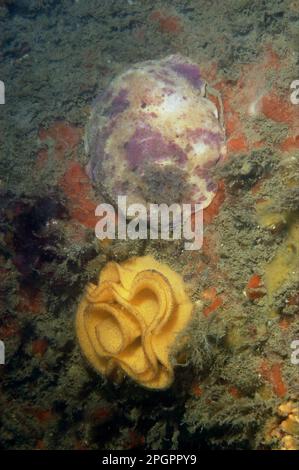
point(154, 135)
point(134, 320)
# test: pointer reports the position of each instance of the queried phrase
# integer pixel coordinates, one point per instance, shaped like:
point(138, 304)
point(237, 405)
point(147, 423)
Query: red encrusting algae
point(196, 390)
point(290, 143)
point(255, 288)
point(234, 392)
point(214, 300)
point(39, 347)
point(273, 374)
point(278, 109)
point(64, 136)
point(169, 24)
point(213, 209)
point(78, 190)
point(59, 142)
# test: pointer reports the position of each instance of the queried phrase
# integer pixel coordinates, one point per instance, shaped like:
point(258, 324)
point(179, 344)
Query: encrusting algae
point(131, 320)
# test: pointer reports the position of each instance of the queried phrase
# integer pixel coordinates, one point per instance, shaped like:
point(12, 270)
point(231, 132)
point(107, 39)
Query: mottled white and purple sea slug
point(154, 136)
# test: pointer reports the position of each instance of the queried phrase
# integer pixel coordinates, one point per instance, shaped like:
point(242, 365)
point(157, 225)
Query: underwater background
point(234, 383)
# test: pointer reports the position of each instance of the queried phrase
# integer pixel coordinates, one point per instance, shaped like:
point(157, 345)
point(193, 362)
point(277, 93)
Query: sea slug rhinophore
point(132, 320)
point(154, 135)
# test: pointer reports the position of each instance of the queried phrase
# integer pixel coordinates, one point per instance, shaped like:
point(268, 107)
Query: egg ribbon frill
point(132, 320)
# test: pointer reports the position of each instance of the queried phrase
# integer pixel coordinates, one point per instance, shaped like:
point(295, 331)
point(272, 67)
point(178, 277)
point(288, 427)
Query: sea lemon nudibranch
point(154, 135)
point(132, 320)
